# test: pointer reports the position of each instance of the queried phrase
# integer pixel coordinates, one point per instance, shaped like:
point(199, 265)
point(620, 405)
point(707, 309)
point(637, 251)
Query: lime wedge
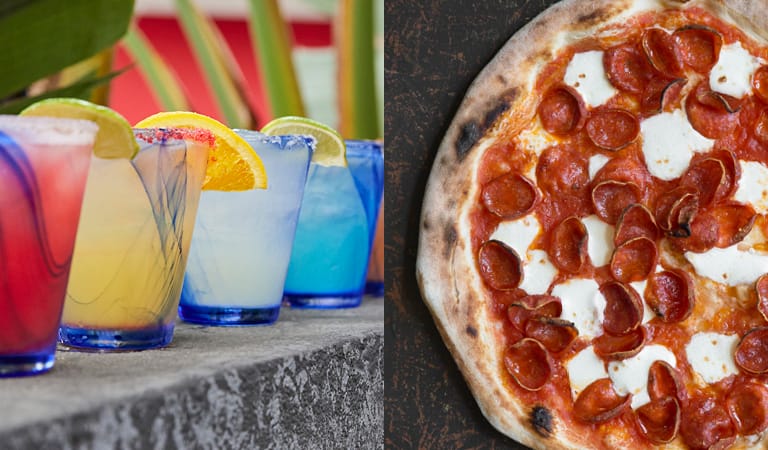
point(330, 149)
point(115, 137)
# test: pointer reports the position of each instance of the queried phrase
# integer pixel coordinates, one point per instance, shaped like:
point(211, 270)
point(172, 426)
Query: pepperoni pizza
point(594, 237)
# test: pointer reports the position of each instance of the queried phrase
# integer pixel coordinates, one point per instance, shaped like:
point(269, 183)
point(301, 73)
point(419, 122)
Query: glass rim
point(165, 135)
point(43, 129)
point(282, 140)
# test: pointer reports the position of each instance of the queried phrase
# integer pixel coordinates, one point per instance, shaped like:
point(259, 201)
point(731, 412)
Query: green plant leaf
point(81, 89)
point(210, 51)
point(272, 44)
point(41, 37)
point(160, 78)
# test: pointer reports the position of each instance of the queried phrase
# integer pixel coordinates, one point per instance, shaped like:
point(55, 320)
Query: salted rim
point(151, 135)
point(49, 130)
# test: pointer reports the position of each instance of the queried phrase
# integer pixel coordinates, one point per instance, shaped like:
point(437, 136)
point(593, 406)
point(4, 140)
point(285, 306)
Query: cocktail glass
point(43, 168)
point(132, 245)
point(333, 238)
point(242, 240)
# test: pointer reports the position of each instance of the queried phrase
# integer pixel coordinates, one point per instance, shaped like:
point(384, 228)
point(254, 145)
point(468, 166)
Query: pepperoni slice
point(627, 68)
point(510, 195)
point(553, 333)
point(528, 363)
point(732, 172)
point(760, 83)
point(500, 266)
point(634, 260)
point(610, 198)
point(708, 177)
point(568, 246)
point(563, 172)
point(708, 112)
point(532, 306)
point(734, 222)
point(663, 381)
point(636, 221)
point(598, 402)
point(659, 420)
point(703, 235)
point(612, 129)
point(704, 423)
point(660, 94)
point(662, 52)
point(699, 47)
point(752, 352)
point(760, 127)
point(623, 308)
point(671, 295)
point(747, 405)
point(761, 288)
point(675, 210)
point(719, 101)
point(619, 347)
point(562, 111)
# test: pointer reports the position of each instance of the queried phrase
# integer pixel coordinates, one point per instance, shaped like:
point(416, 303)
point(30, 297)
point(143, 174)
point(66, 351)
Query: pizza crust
point(448, 280)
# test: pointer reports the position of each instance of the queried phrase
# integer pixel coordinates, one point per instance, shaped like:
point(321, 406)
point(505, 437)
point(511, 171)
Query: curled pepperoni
point(554, 334)
point(698, 47)
point(623, 308)
point(732, 172)
point(660, 93)
point(719, 101)
point(708, 112)
point(752, 352)
point(500, 266)
point(610, 198)
point(760, 83)
point(619, 347)
point(671, 295)
point(528, 363)
point(675, 210)
point(662, 53)
point(703, 235)
point(659, 420)
point(734, 221)
point(510, 195)
point(612, 129)
point(568, 246)
point(761, 288)
point(663, 381)
point(705, 423)
point(598, 402)
point(634, 260)
point(747, 405)
point(627, 68)
point(532, 306)
point(562, 111)
point(708, 177)
point(760, 127)
point(636, 221)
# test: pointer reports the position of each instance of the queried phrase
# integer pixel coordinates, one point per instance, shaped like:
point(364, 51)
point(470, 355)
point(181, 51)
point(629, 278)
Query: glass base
point(226, 316)
point(20, 366)
point(84, 339)
point(374, 288)
point(323, 301)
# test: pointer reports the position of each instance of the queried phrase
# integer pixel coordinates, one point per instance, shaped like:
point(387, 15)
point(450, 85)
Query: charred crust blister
point(541, 420)
point(471, 131)
point(468, 136)
point(472, 331)
point(592, 18)
point(449, 239)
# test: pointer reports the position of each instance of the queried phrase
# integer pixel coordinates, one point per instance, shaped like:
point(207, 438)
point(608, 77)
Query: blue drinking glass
point(242, 240)
point(335, 231)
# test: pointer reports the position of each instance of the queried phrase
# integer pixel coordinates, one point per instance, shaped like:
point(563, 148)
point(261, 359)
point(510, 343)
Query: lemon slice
point(330, 149)
point(233, 165)
point(115, 137)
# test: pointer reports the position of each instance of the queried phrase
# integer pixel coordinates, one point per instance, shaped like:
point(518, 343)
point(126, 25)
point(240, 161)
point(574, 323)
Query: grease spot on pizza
point(472, 331)
point(541, 420)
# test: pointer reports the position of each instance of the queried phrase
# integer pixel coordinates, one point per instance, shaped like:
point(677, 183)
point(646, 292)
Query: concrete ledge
point(313, 380)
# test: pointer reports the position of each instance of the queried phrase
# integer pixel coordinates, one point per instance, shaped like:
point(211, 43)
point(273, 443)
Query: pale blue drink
point(333, 238)
point(242, 241)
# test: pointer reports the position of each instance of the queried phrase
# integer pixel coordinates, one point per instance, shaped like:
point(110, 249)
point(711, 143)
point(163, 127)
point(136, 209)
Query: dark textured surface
point(313, 380)
point(433, 51)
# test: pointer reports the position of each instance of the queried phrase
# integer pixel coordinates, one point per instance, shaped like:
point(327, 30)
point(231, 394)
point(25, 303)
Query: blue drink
point(242, 241)
point(333, 237)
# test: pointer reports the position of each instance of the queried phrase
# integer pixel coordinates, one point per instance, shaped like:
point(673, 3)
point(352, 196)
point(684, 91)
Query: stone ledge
point(313, 380)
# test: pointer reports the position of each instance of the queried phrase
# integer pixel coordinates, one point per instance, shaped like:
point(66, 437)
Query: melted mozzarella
point(669, 142)
point(584, 369)
point(519, 234)
point(583, 304)
point(536, 139)
point(753, 186)
point(639, 287)
point(596, 162)
point(732, 74)
point(600, 242)
point(711, 355)
point(730, 265)
point(586, 74)
point(630, 376)
point(538, 272)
